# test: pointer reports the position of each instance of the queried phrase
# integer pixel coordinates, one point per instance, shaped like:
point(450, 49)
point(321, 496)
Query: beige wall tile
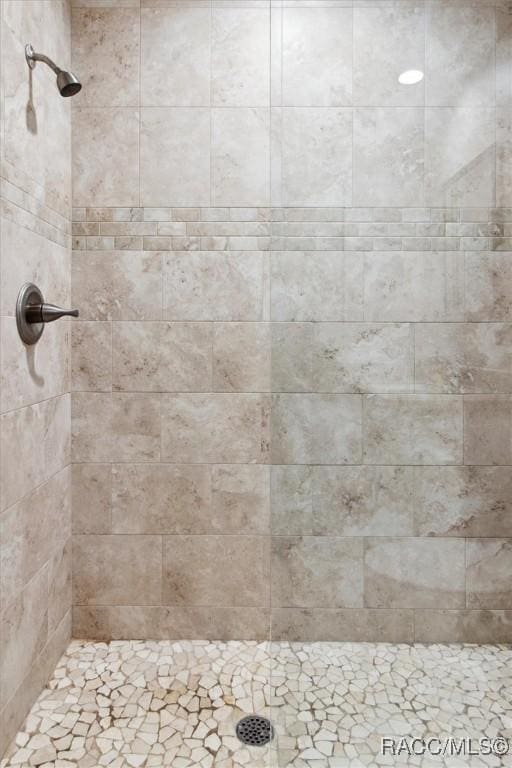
point(414, 287)
point(175, 56)
point(241, 157)
point(118, 427)
point(59, 586)
point(291, 500)
point(489, 565)
point(215, 428)
point(106, 56)
point(209, 285)
point(445, 626)
point(316, 429)
point(134, 565)
point(162, 357)
point(317, 571)
point(91, 359)
point(91, 498)
point(240, 499)
point(488, 287)
point(412, 429)
point(388, 156)
point(414, 573)
point(317, 57)
point(175, 157)
point(216, 570)
point(241, 357)
point(460, 358)
point(105, 156)
point(503, 155)
point(342, 625)
point(35, 445)
point(388, 40)
point(488, 429)
point(240, 57)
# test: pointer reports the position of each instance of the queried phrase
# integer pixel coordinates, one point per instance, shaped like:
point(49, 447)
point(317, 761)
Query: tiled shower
point(268, 469)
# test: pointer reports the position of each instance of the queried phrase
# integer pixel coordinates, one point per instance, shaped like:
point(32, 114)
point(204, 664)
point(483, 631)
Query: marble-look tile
point(106, 56)
point(162, 357)
point(412, 429)
point(175, 56)
point(414, 287)
point(472, 626)
point(414, 573)
point(240, 56)
point(240, 499)
point(291, 500)
point(91, 356)
point(462, 501)
point(31, 374)
point(209, 285)
point(503, 60)
point(119, 427)
point(342, 625)
point(217, 428)
point(60, 596)
point(317, 571)
point(489, 565)
point(317, 57)
point(463, 358)
point(31, 531)
point(117, 285)
point(460, 156)
point(314, 146)
point(504, 156)
point(316, 286)
point(215, 570)
point(175, 156)
point(388, 40)
point(460, 69)
point(292, 357)
point(105, 154)
point(316, 429)
point(488, 287)
point(34, 446)
point(133, 563)
point(91, 489)
point(488, 429)
point(388, 156)
point(241, 357)
point(241, 157)
point(24, 634)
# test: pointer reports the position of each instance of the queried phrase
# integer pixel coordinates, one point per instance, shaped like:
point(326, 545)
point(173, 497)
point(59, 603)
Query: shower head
point(67, 83)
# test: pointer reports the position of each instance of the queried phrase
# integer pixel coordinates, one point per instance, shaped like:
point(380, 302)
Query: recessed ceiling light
point(411, 77)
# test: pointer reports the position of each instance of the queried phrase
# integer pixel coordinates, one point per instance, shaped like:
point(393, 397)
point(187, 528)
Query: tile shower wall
point(292, 374)
point(35, 498)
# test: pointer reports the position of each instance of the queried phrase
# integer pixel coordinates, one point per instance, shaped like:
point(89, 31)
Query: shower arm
point(32, 57)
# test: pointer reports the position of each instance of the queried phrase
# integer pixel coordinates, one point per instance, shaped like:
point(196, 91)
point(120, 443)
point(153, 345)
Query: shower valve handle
point(32, 313)
point(47, 313)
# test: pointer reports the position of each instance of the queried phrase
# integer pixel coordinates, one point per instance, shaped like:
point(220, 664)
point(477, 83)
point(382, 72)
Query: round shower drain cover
point(254, 730)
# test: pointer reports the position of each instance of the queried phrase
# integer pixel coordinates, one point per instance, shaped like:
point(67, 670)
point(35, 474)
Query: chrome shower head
point(67, 83)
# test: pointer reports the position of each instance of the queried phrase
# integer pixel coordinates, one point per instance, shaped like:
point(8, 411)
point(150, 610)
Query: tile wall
point(35, 420)
point(292, 372)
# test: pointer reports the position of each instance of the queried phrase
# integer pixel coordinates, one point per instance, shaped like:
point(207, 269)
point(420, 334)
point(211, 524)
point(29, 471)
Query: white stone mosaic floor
point(132, 703)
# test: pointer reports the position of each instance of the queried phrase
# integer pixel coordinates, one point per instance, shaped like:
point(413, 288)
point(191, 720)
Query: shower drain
point(254, 730)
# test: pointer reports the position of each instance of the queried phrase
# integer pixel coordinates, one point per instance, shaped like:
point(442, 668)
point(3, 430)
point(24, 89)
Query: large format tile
point(215, 570)
point(162, 357)
point(316, 429)
point(489, 565)
point(209, 285)
point(462, 626)
point(175, 56)
point(91, 356)
point(460, 69)
point(317, 572)
point(388, 156)
point(488, 429)
point(504, 155)
point(240, 56)
point(215, 428)
point(241, 156)
point(412, 429)
point(119, 427)
point(388, 40)
point(241, 357)
point(488, 287)
point(105, 154)
point(355, 625)
point(317, 56)
point(133, 564)
point(174, 156)
point(91, 489)
point(106, 56)
point(414, 573)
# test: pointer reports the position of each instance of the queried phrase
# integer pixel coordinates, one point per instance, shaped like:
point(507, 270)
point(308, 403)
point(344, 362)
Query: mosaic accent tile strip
point(141, 704)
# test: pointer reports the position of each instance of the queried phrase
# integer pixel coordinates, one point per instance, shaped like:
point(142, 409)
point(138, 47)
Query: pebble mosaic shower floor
point(138, 704)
